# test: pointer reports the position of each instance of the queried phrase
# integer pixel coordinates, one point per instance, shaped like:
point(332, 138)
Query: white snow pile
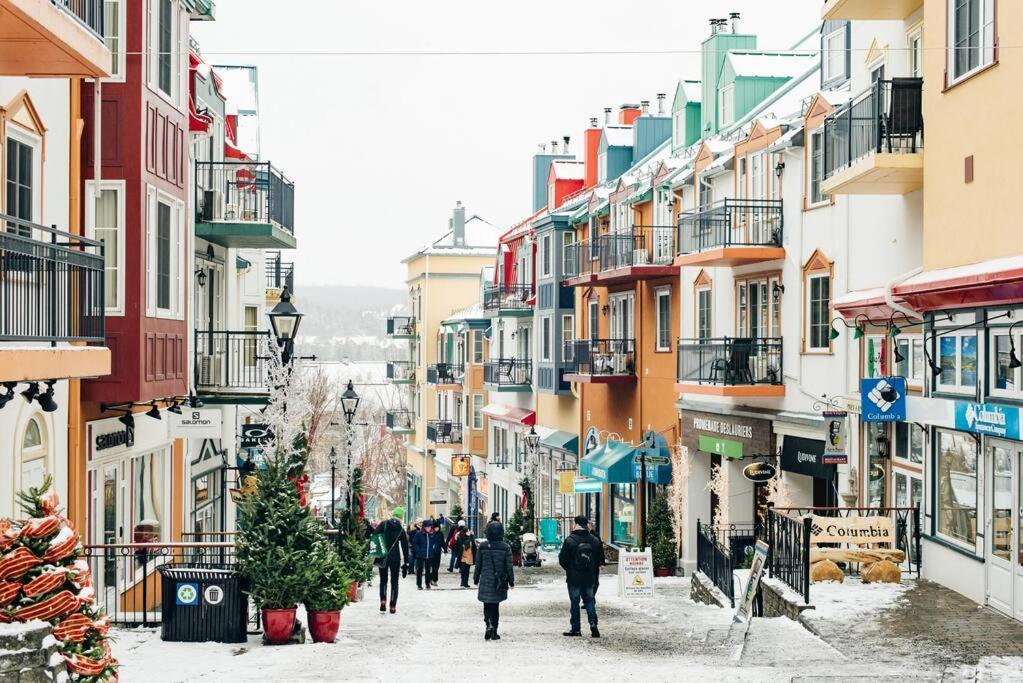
point(853, 599)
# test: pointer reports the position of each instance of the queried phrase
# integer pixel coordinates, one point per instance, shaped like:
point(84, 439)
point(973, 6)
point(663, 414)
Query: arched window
point(33, 453)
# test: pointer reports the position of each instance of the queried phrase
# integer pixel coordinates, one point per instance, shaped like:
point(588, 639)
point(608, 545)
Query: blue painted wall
point(648, 132)
point(553, 299)
point(541, 171)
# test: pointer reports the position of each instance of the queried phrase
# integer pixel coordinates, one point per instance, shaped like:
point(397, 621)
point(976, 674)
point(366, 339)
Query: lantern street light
point(284, 321)
point(349, 404)
point(332, 458)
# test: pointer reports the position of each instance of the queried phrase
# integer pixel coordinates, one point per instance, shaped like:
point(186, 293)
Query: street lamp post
point(349, 404)
point(284, 320)
point(332, 457)
point(532, 441)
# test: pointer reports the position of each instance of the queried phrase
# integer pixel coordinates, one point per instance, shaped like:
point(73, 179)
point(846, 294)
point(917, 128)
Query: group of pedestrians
point(419, 548)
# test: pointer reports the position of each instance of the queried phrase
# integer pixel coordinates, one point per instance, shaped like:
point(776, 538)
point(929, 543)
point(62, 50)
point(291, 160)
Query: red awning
point(503, 413)
point(232, 152)
point(868, 302)
point(988, 283)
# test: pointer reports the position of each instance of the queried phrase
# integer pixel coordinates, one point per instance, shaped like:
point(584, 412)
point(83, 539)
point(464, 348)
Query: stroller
point(530, 551)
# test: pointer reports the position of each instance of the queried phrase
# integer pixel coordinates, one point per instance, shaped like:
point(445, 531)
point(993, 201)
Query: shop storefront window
point(957, 356)
point(1006, 377)
point(909, 442)
point(623, 514)
point(1001, 505)
point(909, 492)
point(33, 455)
point(957, 486)
point(149, 519)
point(876, 445)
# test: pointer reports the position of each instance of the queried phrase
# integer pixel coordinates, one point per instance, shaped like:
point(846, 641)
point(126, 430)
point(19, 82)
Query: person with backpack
point(581, 556)
point(465, 549)
point(450, 543)
point(426, 547)
point(396, 554)
point(494, 575)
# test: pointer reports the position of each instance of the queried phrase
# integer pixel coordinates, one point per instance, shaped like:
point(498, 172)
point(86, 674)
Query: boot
point(383, 605)
point(494, 636)
point(594, 633)
point(394, 607)
point(489, 633)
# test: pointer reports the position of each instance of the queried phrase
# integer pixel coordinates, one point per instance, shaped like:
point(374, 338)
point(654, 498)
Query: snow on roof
point(720, 163)
point(769, 64)
point(693, 90)
point(480, 240)
point(789, 139)
point(836, 98)
point(521, 228)
point(473, 312)
point(988, 269)
point(785, 101)
point(568, 170)
point(618, 136)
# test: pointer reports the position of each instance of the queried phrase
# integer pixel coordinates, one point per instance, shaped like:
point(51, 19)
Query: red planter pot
point(663, 571)
point(278, 625)
point(323, 625)
point(353, 592)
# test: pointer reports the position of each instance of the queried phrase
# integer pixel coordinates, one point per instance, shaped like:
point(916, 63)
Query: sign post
point(756, 571)
point(836, 449)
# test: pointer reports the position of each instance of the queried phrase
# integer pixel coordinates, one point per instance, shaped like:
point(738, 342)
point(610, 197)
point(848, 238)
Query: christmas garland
point(44, 577)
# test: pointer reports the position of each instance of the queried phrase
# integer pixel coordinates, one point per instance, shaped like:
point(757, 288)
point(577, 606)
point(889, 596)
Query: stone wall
point(704, 591)
point(780, 601)
point(28, 654)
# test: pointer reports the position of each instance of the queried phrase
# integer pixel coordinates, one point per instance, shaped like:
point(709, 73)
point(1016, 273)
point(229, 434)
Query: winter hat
point(399, 512)
point(495, 531)
point(461, 523)
point(428, 523)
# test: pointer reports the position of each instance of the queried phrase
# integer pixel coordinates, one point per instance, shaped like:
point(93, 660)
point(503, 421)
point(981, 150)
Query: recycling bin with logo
point(201, 605)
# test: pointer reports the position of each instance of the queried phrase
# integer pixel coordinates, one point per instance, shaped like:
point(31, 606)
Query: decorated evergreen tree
point(660, 535)
point(329, 590)
point(44, 576)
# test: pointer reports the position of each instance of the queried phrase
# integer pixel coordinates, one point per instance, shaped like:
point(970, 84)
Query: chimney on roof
point(458, 225)
point(734, 16)
point(593, 122)
point(644, 106)
point(660, 103)
point(591, 150)
point(628, 113)
point(554, 147)
point(607, 116)
point(565, 139)
point(713, 26)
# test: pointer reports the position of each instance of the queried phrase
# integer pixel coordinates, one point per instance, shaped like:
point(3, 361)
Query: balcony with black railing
point(445, 374)
point(508, 300)
point(401, 372)
point(600, 361)
point(231, 362)
point(874, 143)
point(400, 421)
point(731, 232)
point(401, 327)
point(443, 431)
point(508, 374)
point(642, 252)
point(731, 366)
point(244, 204)
point(279, 274)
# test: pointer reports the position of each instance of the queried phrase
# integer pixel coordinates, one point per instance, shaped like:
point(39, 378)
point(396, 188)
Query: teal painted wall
point(648, 132)
point(750, 92)
point(714, 50)
point(693, 119)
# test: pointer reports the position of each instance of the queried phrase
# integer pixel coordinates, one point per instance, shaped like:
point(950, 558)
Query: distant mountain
point(345, 322)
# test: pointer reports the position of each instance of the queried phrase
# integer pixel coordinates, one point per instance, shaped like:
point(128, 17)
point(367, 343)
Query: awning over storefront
point(562, 441)
point(503, 413)
point(868, 302)
point(610, 463)
point(988, 283)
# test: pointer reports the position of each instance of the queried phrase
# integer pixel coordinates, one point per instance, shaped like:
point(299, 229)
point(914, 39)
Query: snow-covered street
point(439, 634)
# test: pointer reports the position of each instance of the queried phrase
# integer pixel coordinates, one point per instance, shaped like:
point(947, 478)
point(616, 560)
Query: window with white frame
point(957, 357)
point(816, 175)
point(113, 32)
point(663, 310)
point(22, 180)
point(602, 164)
point(834, 52)
point(477, 346)
point(727, 104)
point(567, 333)
point(909, 442)
point(818, 312)
point(567, 254)
point(166, 53)
point(914, 40)
point(545, 338)
point(477, 411)
point(1006, 352)
point(165, 262)
point(546, 255)
point(33, 454)
point(957, 490)
point(703, 313)
point(593, 321)
point(911, 350)
point(971, 36)
point(104, 221)
point(678, 129)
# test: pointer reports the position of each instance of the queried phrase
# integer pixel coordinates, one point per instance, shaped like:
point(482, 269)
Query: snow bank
point(853, 599)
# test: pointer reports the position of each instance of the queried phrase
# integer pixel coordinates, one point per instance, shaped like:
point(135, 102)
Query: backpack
point(585, 563)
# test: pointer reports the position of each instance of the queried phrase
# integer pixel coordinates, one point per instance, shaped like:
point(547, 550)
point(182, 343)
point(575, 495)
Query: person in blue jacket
point(426, 549)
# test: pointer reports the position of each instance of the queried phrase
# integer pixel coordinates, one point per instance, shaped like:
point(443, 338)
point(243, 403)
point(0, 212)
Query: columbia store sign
point(853, 530)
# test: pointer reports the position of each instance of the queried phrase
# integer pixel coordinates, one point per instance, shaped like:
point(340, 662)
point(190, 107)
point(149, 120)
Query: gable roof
point(564, 169)
point(618, 136)
point(480, 240)
point(758, 64)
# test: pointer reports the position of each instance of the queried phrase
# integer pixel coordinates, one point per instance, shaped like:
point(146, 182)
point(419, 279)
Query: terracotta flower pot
point(323, 625)
point(278, 625)
point(663, 571)
point(353, 592)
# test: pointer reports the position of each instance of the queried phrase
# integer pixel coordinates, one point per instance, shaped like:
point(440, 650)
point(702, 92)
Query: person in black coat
point(494, 575)
point(582, 556)
point(396, 542)
point(466, 550)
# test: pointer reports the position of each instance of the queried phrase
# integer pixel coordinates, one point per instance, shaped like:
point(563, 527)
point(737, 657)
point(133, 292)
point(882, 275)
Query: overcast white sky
point(381, 147)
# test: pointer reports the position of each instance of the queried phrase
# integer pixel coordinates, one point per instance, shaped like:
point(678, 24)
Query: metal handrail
point(731, 223)
point(231, 359)
point(731, 361)
point(600, 356)
point(88, 13)
point(445, 373)
point(244, 192)
point(508, 371)
point(507, 297)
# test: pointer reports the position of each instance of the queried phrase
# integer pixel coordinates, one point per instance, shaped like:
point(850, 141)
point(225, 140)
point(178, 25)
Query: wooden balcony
point(869, 9)
point(732, 232)
point(53, 38)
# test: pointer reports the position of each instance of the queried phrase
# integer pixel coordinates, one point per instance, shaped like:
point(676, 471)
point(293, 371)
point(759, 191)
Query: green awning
point(242, 264)
point(562, 441)
point(637, 197)
point(610, 463)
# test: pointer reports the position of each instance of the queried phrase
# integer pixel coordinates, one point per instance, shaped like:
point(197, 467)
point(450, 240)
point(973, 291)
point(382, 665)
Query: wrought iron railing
point(400, 420)
point(731, 223)
point(508, 372)
point(714, 560)
point(279, 274)
point(88, 12)
point(788, 540)
point(445, 373)
point(579, 259)
point(641, 245)
point(887, 117)
point(730, 361)
point(52, 284)
point(231, 360)
point(401, 371)
point(507, 298)
point(243, 192)
point(401, 326)
point(600, 357)
point(443, 431)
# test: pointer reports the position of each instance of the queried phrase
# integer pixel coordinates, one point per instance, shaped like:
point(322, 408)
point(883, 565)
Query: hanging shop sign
point(760, 472)
point(581, 485)
point(804, 456)
point(256, 436)
point(196, 423)
point(756, 571)
point(729, 436)
point(460, 465)
point(566, 483)
point(855, 530)
point(883, 399)
point(438, 496)
point(988, 418)
point(836, 447)
point(636, 574)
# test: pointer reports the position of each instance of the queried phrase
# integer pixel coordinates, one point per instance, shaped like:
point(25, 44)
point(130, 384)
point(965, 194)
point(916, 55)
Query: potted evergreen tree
point(513, 536)
point(357, 564)
point(661, 538)
point(327, 595)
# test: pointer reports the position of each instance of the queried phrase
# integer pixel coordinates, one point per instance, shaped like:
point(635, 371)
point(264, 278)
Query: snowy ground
point(438, 635)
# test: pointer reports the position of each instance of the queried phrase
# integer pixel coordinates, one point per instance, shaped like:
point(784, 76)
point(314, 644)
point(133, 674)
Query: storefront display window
point(956, 473)
point(876, 445)
point(1001, 505)
point(909, 442)
point(957, 356)
point(623, 514)
point(33, 455)
point(1006, 378)
point(149, 518)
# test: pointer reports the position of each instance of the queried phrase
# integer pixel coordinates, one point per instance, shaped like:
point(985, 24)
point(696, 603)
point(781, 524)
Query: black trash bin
point(201, 605)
